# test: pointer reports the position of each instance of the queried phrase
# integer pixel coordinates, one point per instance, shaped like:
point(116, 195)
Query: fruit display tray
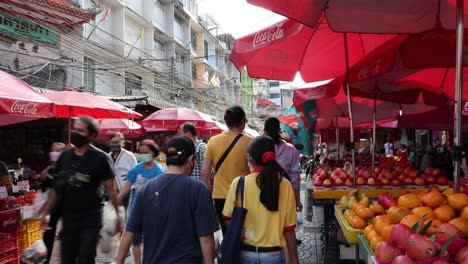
point(351, 234)
point(370, 193)
point(366, 252)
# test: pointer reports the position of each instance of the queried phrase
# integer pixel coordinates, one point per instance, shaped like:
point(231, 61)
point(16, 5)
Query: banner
point(292, 123)
point(15, 27)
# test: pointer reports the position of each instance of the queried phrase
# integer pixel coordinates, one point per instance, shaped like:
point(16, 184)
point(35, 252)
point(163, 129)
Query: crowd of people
point(175, 212)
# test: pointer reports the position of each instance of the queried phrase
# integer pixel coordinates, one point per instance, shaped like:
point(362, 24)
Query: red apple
point(388, 175)
point(384, 181)
point(337, 171)
point(323, 176)
point(334, 177)
point(361, 172)
point(407, 170)
point(361, 181)
point(395, 182)
point(349, 183)
point(419, 181)
point(402, 177)
point(435, 172)
point(408, 181)
point(399, 169)
point(442, 180)
point(318, 182)
point(366, 174)
point(371, 181)
point(413, 174)
point(338, 182)
point(327, 183)
point(428, 171)
point(343, 175)
point(430, 179)
point(377, 170)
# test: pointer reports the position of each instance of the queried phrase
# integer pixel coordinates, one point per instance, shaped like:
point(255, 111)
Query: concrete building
point(281, 93)
point(156, 52)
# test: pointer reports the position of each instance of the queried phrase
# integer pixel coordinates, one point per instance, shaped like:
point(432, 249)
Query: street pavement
point(309, 251)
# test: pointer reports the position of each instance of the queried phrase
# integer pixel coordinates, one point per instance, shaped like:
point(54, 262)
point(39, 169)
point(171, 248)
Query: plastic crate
point(33, 224)
point(8, 245)
point(23, 235)
point(366, 252)
point(351, 234)
point(11, 256)
point(23, 244)
point(34, 236)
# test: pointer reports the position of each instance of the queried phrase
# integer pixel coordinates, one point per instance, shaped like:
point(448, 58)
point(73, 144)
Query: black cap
point(178, 150)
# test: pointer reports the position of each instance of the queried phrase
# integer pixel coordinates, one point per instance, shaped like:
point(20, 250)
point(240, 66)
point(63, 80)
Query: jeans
point(248, 257)
point(79, 245)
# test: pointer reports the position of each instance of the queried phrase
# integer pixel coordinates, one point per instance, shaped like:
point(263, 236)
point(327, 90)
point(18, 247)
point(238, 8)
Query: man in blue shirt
point(174, 213)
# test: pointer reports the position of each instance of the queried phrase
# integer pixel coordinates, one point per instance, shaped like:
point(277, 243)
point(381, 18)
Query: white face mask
point(54, 155)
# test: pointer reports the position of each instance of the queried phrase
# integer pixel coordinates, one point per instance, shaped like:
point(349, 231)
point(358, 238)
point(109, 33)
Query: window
point(180, 60)
point(179, 28)
point(89, 74)
point(159, 17)
point(194, 71)
point(274, 96)
point(159, 46)
point(216, 58)
point(193, 39)
point(206, 49)
point(132, 82)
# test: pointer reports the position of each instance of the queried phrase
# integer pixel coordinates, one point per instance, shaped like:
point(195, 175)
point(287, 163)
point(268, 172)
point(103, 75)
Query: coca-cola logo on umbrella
point(28, 108)
point(269, 35)
point(370, 69)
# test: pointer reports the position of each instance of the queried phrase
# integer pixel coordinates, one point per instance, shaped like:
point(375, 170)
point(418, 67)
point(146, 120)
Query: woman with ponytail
point(269, 198)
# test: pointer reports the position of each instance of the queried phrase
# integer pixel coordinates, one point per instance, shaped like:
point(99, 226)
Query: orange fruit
point(461, 224)
point(386, 231)
point(458, 201)
point(396, 213)
point(377, 208)
point(423, 211)
point(367, 230)
point(375, 242)
point(433, 228)
point(364, 213)
point(444, 213)
point(357, 205)
point(380, 224)
point(433, 198)
point(371, 235)
point(357, 223)
point(464, 212)
point(410, 221)
point(409, 201)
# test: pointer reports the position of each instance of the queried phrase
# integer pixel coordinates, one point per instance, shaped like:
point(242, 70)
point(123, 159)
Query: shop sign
point(26, 29)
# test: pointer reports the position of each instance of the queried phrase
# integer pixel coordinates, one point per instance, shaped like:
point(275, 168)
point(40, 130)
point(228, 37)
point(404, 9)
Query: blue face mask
point(144, 158)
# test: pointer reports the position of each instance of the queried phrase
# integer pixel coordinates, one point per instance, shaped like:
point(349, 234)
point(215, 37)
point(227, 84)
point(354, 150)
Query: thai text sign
point(26, 29)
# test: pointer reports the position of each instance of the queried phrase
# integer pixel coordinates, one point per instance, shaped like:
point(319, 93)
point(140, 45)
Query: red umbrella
point(73, 104)
point(368, 16)
point(70, 104)
point(173, 118)
point(218, 128)
point(125, 126)
point(19, 102)
point(280, 51)
point(265, 103)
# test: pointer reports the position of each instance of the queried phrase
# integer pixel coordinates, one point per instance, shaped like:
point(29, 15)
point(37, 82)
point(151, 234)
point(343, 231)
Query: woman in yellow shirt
point(269, 198)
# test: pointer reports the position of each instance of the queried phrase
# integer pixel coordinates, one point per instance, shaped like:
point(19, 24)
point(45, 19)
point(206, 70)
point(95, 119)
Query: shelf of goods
point(9, 226)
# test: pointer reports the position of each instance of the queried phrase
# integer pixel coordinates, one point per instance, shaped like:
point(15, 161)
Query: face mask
point(54, 155)
point(78, 140)
point(116, 148)
point(144, 158)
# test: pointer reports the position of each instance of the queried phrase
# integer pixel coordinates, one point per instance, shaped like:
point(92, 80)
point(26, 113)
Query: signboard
point(23, 185)
point(3, 192)
point(26, 29)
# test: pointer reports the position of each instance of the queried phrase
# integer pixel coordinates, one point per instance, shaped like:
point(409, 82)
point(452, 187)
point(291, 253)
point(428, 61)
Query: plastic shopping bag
point(35, 254)
point(39, 203)
point(110, 219)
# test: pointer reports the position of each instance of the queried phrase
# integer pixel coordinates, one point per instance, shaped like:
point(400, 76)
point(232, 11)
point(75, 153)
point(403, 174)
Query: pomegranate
point(386, 252)
point(462, 255)
point(435, 172)
point(399, 169)
point(377, 170)
point(400, 235)
point(445, 231)
point(428, 171)
point(440, 261)
point(403, 259)
point(420, 247)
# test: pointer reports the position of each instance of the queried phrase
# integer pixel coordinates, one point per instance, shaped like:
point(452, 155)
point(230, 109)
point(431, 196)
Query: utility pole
point(172, 71)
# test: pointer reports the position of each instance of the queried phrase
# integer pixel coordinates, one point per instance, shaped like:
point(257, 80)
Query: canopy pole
point(374, 127)
point(337, 136)
point(458, 97)
point(350, 109)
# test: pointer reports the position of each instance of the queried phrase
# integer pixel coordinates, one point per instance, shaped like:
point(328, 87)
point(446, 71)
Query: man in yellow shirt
point(234, 164)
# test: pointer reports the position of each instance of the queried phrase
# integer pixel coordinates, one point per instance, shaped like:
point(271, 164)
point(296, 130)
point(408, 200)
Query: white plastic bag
point(39, 203)
point(348, 168)
point(110, 218)
point(35, 254)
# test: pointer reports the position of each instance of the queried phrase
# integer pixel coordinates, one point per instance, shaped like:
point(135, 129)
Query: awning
point(160, 103)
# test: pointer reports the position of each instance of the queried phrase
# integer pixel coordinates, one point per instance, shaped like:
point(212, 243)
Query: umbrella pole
point(350, 110)
point(69, 129)
point(458, 97)
point(337, 135)
point(374, 126)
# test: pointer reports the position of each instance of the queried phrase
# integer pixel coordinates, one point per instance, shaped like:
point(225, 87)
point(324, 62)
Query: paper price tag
point(23, 185)
point(15, 189)
point(3, 192)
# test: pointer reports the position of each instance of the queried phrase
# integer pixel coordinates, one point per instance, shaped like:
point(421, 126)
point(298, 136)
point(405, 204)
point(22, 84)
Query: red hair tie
point(268, 156)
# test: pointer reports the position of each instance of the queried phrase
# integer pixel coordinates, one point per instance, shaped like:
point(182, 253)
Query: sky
point(238, 17)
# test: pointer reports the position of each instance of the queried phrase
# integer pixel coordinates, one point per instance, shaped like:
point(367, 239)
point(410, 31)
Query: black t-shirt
point(79, 184)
